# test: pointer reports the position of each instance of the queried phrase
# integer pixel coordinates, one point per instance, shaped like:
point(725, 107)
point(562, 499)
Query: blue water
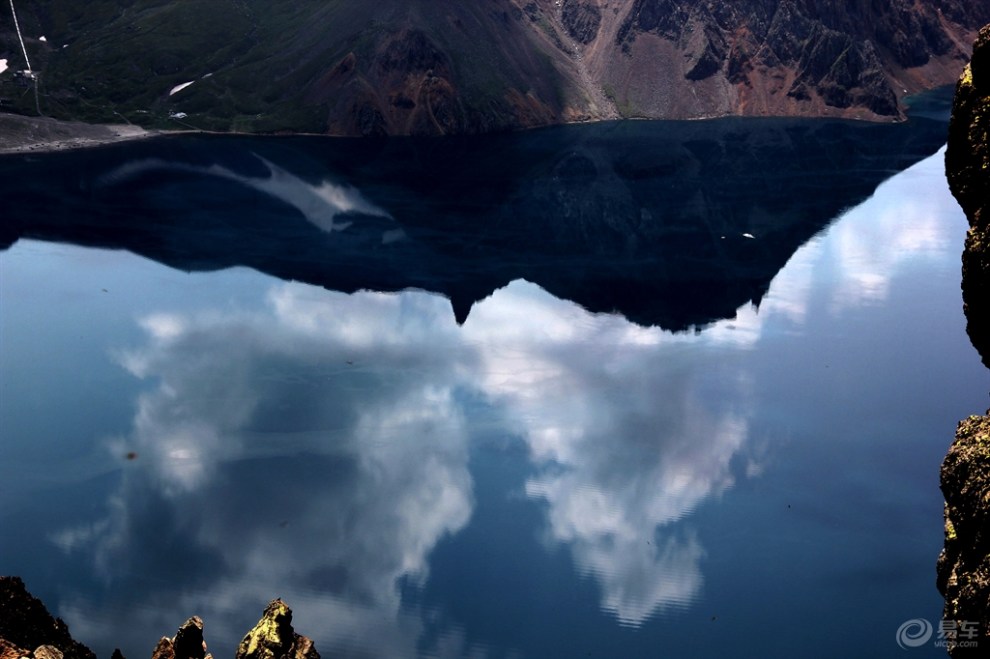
point(529, 479)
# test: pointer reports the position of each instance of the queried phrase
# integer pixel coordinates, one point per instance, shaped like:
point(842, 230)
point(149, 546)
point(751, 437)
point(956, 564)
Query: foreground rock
point(187, 643)
point(274, 638)
point(27, 629)
point(964, 566)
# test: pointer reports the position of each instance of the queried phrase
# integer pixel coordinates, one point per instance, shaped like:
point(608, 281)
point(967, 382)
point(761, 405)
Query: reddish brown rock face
point(787, 57)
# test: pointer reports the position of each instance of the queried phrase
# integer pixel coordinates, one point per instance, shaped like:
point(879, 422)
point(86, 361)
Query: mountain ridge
point(435, 67)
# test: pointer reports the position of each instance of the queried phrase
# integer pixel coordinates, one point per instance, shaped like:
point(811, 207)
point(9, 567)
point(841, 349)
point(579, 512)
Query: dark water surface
point(381, 383)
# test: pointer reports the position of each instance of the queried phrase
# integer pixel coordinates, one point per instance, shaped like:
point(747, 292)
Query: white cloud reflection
point(624, 437)
point(910, 217)
point(289, 454)
point(364, 389)
point(902, 221)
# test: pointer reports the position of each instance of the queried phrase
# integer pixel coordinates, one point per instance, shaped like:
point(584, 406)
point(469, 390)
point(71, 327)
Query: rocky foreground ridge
point(28, 631)
point(429, 67)
point(964, 565)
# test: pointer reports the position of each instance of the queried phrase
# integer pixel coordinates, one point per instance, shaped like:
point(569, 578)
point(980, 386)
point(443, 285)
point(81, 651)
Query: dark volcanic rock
point(582, 20)
point(967, 164)
point(27, 627)
point(845, 73)
point(187, 643)
point(666, 17)
point(964, 565)
point(706, 58)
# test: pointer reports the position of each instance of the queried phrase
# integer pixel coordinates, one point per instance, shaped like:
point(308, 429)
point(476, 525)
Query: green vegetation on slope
point(268, 66)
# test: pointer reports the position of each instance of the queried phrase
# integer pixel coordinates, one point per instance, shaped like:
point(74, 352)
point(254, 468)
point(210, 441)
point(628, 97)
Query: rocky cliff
point(967, 163)
point(964, 565)
point(785, 57)
point(467, 66)
point(28, 630)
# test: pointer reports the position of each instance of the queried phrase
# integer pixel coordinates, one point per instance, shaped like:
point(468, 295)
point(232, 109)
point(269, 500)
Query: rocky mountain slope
point(463, 66)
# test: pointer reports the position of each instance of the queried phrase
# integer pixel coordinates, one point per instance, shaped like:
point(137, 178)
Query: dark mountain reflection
point(675, 224)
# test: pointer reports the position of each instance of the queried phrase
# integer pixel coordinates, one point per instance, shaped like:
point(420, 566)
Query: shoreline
point(20, 134)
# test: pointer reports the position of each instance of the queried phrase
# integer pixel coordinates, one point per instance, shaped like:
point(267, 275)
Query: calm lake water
point(645, 390)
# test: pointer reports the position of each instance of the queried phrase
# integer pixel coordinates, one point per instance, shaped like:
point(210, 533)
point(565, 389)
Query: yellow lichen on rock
point(274, 638)
point(964, 565)
point(266, 633)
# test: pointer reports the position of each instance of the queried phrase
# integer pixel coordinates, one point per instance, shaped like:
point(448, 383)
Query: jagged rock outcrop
point(582, 19)
point(427, 67)
point(187, 643)
point(27, 629)
point(274, 638)
point(787, 57)
point(964, 565)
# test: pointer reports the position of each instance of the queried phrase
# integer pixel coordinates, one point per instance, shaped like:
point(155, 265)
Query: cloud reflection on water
point(318, 447)
point(903, 220)
point(624, 437)
point(854, 261)
point(291, 452)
